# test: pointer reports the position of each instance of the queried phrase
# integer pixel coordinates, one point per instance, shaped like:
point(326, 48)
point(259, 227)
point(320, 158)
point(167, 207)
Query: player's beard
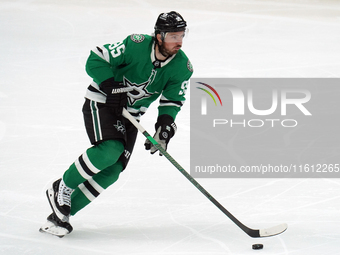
point(166, 52)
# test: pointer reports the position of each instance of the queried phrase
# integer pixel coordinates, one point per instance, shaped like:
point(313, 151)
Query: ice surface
point(153, 209)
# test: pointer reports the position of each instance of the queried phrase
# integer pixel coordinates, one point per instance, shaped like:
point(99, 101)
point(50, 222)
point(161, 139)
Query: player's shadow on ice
point(141, 233)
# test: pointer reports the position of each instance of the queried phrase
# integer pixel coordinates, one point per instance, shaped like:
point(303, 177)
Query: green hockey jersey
point(133, 62)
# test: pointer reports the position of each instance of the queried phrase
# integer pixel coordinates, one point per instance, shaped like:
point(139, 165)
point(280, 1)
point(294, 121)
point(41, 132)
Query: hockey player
point(131, 74)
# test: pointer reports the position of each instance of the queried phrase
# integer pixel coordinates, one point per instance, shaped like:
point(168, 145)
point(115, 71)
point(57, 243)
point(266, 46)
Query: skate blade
point(50, 228)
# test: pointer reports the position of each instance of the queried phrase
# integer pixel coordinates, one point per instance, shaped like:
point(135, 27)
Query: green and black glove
point(165, 130)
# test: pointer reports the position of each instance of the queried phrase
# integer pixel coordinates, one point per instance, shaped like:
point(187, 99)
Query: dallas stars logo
point(137, 38)
point(120, 127)
point(139, 90)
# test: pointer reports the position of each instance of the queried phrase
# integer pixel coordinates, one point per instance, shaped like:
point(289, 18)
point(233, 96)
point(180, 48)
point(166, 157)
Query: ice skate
point(56, 227)
point(59, 197)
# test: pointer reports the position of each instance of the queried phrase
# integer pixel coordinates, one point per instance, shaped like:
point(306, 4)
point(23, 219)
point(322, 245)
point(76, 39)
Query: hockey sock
point(90, 189)
point(91, 162)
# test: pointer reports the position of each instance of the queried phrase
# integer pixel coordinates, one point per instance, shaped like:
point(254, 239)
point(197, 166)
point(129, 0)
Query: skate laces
point(64, 194)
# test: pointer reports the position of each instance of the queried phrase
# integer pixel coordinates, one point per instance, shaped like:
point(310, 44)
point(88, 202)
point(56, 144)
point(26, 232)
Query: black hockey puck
point(257, 246)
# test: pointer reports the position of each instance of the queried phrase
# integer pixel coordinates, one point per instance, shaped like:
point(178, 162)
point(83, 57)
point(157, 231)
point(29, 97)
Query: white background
point(153, 209)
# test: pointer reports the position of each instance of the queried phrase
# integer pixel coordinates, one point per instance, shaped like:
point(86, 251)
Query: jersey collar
point(158, 63)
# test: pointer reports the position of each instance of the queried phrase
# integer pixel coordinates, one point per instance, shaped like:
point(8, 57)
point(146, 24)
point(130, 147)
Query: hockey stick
point(251, 232)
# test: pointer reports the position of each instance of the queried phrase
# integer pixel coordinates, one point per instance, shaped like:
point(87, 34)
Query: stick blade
point(273, 230)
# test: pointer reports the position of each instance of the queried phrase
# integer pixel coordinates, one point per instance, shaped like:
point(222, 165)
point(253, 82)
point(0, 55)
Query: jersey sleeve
point(173, 96)
point(103, 60)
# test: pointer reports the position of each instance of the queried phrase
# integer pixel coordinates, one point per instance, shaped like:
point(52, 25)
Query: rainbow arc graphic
point(209, 93)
